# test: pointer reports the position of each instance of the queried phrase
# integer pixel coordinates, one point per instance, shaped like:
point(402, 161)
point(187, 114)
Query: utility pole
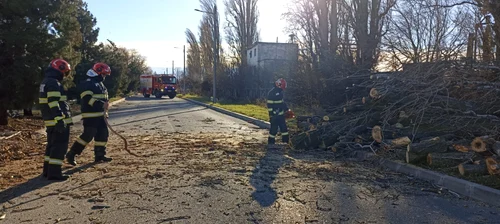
point(173, 68)
point(215, 47)
point(184, 72)
point(216, 29)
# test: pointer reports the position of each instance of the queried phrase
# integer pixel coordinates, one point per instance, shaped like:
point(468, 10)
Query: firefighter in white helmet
point(94, 101)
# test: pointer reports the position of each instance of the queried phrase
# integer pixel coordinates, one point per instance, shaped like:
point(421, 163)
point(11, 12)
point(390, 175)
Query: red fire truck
point(159, 85)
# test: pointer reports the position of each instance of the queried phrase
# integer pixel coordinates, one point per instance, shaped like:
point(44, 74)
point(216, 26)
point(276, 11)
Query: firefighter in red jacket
point(94, 106)
point(278, 112)
point(57, 118)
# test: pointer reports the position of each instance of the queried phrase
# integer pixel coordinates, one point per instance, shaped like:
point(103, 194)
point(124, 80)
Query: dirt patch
point(21, 139)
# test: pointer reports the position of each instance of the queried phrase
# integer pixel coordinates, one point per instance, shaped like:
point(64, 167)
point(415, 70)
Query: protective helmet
point(281, 83)
point(60, 65)
point(101, 69)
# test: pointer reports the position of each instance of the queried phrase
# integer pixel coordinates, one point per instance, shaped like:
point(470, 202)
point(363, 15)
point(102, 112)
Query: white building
point(268, 62)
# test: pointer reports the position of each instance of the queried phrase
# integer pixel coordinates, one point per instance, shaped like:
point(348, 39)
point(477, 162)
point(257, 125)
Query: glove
point(289, 114)
point(106, 114)
point(60, 126)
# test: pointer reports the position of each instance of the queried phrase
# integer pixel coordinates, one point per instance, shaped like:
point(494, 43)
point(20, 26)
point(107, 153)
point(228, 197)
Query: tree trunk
point(431, 146)
point(4, 116)
point(449, 159)
point(334, 39)
point(472, 169)
point(413, 158)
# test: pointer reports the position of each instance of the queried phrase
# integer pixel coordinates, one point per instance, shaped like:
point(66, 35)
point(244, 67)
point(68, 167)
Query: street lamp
point(184, 72)
point(214, 14)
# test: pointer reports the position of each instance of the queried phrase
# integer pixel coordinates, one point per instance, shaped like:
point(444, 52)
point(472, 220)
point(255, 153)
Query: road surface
point(200, 166)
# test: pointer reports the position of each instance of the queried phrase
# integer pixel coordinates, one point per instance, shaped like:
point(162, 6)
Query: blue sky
point(156, 27)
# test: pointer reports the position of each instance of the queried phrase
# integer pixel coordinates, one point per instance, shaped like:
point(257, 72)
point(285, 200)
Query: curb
point(257, 122)
point(460, 186)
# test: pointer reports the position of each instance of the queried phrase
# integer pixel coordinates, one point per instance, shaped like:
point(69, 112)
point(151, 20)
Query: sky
point(156, 28)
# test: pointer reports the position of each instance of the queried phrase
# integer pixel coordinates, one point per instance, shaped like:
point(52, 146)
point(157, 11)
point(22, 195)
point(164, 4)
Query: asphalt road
point(200, 166)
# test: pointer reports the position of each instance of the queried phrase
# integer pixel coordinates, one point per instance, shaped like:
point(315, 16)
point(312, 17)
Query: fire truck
point(158, 85)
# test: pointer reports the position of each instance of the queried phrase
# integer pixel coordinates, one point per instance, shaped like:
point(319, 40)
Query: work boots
point(70, 157)
point(54, 172)
point(102, 159)
point(45, 168)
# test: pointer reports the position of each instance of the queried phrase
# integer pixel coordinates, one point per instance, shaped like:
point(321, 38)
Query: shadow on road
point(264, 175)
point(35, 184)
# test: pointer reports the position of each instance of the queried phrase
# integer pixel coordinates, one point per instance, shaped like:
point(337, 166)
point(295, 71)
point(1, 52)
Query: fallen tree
point(442, 118)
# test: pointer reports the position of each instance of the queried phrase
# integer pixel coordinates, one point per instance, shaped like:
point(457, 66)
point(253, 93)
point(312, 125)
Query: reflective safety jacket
point(93, 95)
point(275, 103)
point(52, 99)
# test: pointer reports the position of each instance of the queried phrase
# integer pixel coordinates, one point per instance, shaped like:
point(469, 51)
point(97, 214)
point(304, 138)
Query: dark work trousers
point(93, 128)
point(57, 146)
point(278, 121)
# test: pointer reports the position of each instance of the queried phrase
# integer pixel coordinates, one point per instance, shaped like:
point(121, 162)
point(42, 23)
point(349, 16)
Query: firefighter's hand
point(60, 126)
point(106, 114)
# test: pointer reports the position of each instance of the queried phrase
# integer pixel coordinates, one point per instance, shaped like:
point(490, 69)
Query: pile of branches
point(403, 112)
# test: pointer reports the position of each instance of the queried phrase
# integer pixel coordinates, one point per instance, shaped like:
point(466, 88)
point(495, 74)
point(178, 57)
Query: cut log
point(426, 147)
point(366, 100)
point(483, 145)
point(461, 148)
point(496, 148)
point(414, 158)
point(377, 134)
point(492, 166)
point(449, 159)
point(374, 94)
point(403, 141)
point(399, 154)
point(473, 169)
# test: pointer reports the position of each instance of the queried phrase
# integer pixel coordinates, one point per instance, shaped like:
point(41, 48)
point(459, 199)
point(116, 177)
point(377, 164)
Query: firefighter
point(277, 111)
point(57, 118)
point(94, 106)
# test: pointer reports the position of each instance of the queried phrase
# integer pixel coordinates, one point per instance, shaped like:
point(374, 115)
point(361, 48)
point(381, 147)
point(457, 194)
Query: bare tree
point(193, 56)
point(418, 33)
point(487, 7)
point(241, 31)
point(367, 19)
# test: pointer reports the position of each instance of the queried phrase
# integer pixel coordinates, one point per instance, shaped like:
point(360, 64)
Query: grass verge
point(252, 110)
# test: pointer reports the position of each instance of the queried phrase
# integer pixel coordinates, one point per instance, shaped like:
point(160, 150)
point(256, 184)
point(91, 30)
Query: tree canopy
point(56, 29)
